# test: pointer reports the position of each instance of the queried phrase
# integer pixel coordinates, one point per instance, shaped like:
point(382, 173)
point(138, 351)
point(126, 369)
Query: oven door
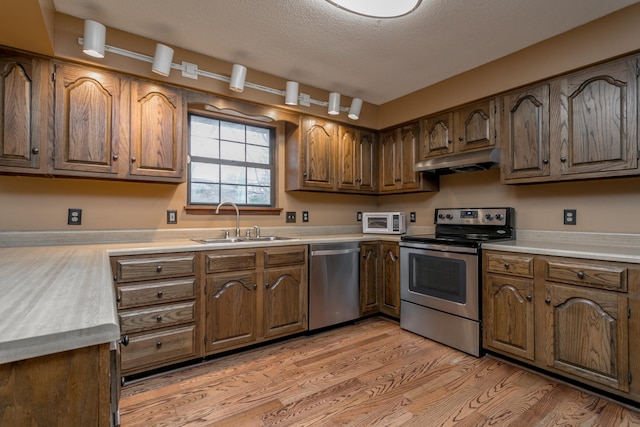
point(440, 277)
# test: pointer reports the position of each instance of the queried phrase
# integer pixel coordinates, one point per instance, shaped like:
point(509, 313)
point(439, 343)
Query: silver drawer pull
point(581, 274)
point(159, 318)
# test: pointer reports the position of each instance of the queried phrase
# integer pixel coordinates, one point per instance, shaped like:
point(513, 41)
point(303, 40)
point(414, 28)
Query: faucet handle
point(226, 234)
point(248, 233)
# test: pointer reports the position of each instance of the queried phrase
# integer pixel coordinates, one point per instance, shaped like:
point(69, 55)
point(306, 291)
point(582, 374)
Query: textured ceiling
point(315, 43)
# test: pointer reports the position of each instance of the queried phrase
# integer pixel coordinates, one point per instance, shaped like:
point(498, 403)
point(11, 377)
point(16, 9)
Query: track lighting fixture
point(94, 38)
point(334, 103)
point(93, 44)
point(354, 110)
point(238, 75)
point(162, 60)
point(291, 93)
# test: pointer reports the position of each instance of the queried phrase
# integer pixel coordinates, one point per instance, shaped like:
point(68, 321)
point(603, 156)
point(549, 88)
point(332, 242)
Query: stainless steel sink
point(243, 239)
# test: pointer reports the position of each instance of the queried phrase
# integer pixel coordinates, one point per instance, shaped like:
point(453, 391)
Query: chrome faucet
point(255, 227)
point(237, 215)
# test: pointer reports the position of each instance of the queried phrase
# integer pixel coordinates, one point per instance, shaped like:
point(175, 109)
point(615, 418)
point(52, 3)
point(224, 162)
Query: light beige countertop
point(598, 246)
point(58, 297)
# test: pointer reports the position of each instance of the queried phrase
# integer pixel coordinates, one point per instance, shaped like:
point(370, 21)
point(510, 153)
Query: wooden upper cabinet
point(582, 125)
point(318, 145)
point(91, 120)
point(357, 160)
point(437, 135)
point(467, 128)
point(526, 132)
point(156, 131)
point(598, 119)
point(24, 102)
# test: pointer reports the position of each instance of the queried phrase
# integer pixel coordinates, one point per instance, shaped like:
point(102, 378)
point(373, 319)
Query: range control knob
point(499, 216)
point(441, 216)
point(488, 217)
point(449, 216)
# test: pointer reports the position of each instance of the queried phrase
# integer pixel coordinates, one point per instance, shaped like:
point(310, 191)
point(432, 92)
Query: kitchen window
point(230, 161)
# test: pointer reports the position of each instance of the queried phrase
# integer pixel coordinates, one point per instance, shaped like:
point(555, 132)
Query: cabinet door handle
point(125, 340)
point(367, 255)
point(133, 160)
point(563, 159)
point(255, 286)
point(115, 157)
point(545, 161)
point(160, 293)
point(392, 256)
point(460, 138)
point(158, 343)
point(581, 274)
point(528, 297)
point(159, 268)
point(548, 301)
point(267, 285)
point(159, 318)
point(35, 150)
point(507, 265)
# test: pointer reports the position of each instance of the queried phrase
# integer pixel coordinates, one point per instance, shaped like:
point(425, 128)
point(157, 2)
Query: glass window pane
point(258, 196)
point(256, 176)
point(233, 174)
point(234, 193)
point(205, 172)
point(258, 136)
point(205, 193)
point(257, 154)
point(232, 131)
point(232, 151)
point(204, 147)
point(202, 126)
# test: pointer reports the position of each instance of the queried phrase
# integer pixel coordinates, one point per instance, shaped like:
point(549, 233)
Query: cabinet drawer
point(156, 317)
point(601, 275)
point(514, 265)
point(157, 348)
point(132, 269)
point(285, 256)
point(221, 261)
point(156, 292)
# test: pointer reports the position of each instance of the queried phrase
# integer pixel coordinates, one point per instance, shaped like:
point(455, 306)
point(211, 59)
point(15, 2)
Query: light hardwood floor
point(369, 374)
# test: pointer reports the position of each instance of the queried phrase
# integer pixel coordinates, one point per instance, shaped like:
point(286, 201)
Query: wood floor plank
point(371, 373)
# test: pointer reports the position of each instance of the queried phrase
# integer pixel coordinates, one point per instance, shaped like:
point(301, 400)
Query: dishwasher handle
point(326, 252)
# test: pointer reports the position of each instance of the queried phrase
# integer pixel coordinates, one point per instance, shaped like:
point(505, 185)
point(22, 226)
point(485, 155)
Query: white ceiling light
point(378, 8)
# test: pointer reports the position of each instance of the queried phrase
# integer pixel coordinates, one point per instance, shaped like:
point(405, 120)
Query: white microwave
point(384, 222)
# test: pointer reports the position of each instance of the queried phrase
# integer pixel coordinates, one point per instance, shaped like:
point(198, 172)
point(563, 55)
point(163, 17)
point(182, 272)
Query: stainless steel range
point(440, 275)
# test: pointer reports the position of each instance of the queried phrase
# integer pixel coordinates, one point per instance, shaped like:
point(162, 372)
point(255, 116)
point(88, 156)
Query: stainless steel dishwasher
point(334, 283)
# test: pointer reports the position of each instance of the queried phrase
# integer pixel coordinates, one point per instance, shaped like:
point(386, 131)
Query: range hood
point(488, 158)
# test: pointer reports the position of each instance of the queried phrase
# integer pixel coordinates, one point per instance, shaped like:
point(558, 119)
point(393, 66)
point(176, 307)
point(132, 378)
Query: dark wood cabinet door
point(369, 278)
point(24, 108)
point(390, 279)
point(90, 120)
point(348, 157)
point(389, 151)
point(526, 133)
point(408, 157)
point(598, 119)
point(587, 334)
point(156, 131)
point(437, 136)
point(231, 311)
point(285, 301)
point(475, 125)
point(508, 315)
point(318, 144)
point(367, 162)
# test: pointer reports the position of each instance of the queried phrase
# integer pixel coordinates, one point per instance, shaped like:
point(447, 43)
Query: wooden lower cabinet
point(254, 295)
point(70, 388)
point(380, 278)
point(573, 317)
point(158, 309)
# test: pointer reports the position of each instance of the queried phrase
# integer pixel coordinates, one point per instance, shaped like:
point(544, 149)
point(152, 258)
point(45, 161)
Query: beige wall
point(613, 205)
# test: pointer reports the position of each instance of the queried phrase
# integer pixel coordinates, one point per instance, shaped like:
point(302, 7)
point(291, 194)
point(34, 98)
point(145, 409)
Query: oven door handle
point(439, 247)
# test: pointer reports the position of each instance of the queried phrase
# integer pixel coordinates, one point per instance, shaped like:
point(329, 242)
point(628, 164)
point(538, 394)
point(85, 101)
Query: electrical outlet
point(305, 216)
point(74, 217)
point(412, 217)
point(570, 216)
point(172, 217)
point(359, 216)
point(290, 217)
